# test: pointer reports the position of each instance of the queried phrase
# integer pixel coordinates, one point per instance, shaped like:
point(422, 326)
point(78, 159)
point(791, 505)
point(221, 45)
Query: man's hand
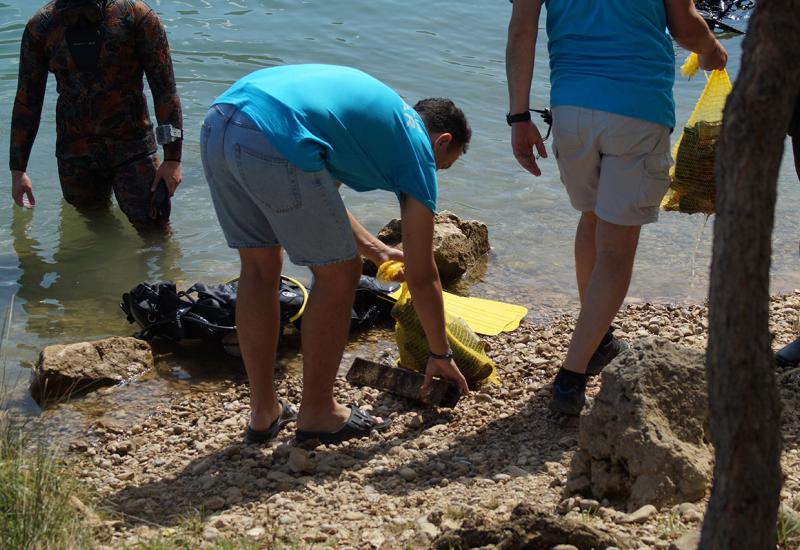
point(22, 189)
point(524, 137)
point(170, 172)
point(378, 254)
point(447, 369)
point(715, 59)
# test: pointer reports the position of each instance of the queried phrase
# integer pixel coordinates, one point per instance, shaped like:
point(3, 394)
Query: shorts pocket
point(656, 179)
point(270, 181)
point(567, 142)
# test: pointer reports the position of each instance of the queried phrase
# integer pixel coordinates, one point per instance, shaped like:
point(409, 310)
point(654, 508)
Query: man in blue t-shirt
point(275, 147)
point(612, 68)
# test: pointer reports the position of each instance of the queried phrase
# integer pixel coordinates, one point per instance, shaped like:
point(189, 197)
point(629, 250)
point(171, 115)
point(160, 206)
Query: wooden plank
point(404, 382)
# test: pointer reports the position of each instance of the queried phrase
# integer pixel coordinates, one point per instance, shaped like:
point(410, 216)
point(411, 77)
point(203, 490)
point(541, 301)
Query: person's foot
point(325, 420)
point(286, 415)
point(608, 349)
point(569, 393)
point(789, 355)
point(359, 424)
point(262, 419)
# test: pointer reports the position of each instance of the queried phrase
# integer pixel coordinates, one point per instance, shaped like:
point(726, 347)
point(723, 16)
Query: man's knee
point(263, 264)
point(345, 274)
point(617, 240)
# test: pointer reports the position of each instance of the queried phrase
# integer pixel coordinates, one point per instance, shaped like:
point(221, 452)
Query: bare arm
point(422, 278)
point(523, 30)
point(369, 246)
point(690, 30)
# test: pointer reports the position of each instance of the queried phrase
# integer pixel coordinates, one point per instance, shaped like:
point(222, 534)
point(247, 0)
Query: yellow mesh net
point(692, 188)
point(468, 350)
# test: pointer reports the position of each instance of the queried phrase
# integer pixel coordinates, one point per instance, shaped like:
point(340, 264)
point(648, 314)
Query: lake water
point(61, 276)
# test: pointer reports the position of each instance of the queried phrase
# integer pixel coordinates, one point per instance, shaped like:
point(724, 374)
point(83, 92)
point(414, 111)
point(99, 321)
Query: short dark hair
point(441, 115)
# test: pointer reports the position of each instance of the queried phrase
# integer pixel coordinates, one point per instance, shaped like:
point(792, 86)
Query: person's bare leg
point(326, 325)
point(257, 326)
point(605, 291)
point(585, 252)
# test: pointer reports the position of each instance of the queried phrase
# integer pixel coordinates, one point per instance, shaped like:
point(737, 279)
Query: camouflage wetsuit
point(104, 135)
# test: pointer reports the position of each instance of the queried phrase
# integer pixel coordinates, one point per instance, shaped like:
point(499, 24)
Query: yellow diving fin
point(487, 317)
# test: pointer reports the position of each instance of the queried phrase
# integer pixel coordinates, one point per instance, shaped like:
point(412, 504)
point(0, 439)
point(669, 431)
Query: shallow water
point(65, 274)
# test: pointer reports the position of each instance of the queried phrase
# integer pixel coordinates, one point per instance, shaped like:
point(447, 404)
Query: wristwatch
point(448, 355)
point(519, 117)
point(167, 133)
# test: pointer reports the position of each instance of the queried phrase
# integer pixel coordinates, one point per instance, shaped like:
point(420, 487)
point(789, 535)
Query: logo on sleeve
point(411, 120)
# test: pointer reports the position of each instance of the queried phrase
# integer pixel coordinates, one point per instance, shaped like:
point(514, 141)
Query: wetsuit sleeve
point(153, 49)
point(31, 85)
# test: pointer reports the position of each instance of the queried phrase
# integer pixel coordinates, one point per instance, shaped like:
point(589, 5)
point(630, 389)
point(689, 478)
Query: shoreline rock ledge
point(65, 370)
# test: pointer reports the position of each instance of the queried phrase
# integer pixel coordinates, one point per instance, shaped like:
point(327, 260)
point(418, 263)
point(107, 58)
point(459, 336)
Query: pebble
point(692, 516)
point(641, 515)
point(407, 473)
point(427, 528)
point(215, 503)
point(302, 461)
point(210, 533)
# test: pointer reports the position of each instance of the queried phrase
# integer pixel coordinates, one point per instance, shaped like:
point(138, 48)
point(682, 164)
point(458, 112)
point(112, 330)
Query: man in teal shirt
point(611, 73)
point(274, 148)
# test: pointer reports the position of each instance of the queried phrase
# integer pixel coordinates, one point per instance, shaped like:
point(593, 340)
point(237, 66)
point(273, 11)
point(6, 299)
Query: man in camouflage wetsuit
point(99, 51)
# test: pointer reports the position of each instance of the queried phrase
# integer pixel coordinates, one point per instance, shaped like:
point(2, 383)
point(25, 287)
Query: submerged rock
point(67, 370)
point(645, 440)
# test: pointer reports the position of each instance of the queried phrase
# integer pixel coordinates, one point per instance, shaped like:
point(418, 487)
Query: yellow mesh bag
point(468, 350)
point(692, 188)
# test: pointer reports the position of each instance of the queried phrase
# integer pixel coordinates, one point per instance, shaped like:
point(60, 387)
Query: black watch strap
point(519, 117)
point(448, 355)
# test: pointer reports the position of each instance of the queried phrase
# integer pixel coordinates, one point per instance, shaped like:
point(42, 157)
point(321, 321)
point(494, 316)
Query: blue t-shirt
point(612, 55)
point(339, 118)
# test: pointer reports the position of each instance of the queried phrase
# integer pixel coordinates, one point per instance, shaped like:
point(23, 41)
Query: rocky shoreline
point(447, 478)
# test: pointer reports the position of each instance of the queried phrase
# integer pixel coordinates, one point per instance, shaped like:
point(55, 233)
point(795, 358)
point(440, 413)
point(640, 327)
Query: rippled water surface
point(61, 276)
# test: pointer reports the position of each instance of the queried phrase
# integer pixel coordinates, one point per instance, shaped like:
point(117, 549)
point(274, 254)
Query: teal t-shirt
point(342, 119)
point(612, 55)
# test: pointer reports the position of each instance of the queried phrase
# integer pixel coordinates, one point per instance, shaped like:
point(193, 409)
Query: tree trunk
point(743, 397)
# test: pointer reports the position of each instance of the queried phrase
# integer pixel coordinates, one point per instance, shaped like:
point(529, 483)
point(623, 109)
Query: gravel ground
point(184, 473)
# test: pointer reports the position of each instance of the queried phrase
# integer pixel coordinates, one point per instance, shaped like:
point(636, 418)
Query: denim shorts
point(613, 165)
point(263, 200)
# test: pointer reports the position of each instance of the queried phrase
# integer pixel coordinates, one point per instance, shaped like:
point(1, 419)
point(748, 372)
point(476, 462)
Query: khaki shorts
point(613, 165)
